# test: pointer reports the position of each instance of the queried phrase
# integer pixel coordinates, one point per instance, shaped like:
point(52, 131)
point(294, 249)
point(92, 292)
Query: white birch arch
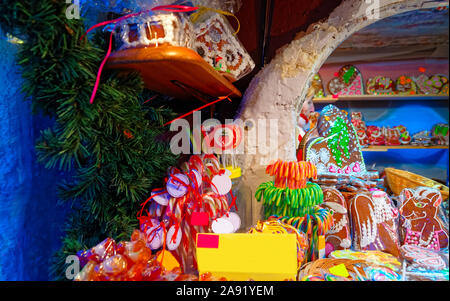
point(274, 93)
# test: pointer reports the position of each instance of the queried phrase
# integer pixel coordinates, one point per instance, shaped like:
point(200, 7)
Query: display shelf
point(427, 97)
point(385, 148)
point(174, 71)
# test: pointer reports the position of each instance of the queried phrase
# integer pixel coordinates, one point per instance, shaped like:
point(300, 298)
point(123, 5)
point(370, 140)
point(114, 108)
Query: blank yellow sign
point(242, 256)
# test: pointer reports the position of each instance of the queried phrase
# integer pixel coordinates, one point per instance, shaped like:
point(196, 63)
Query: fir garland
point(111, 146)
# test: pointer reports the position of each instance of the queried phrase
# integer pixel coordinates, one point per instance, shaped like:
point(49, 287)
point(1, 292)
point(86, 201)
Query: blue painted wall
point(30, 219)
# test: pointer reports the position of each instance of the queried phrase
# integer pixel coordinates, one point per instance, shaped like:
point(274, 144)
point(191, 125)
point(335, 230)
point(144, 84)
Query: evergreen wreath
point(111, 147)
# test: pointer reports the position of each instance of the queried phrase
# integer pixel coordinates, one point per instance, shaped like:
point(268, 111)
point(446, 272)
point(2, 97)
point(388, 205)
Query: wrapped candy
point(421, 138)
point(405, 138)
point(375, 135)
point(439, 134)
point(382, 274)
point(360, 127)
point(380, 85)
point(392, 135)
point(376, 258)
point(405, 85)
point(195, 200)
point(131, 261)
point(216, 42)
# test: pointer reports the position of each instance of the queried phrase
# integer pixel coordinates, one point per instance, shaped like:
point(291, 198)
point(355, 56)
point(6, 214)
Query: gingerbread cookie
point(392, 136)
point(338, 237)
point(336, 151)
point(380, 85)
point(404, 138)
point(216, 43)
point(375, 135)
point(436, 84)
point(374, 223)
point(360, 127)
point(421, 138)
point(405, 85)
point(349, 81)
point(420, 222)
point(439, 134)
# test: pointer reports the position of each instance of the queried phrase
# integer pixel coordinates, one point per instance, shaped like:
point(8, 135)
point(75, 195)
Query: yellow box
point(242, 256)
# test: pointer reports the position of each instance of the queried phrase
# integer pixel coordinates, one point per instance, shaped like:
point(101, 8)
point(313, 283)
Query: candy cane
point(211, 204)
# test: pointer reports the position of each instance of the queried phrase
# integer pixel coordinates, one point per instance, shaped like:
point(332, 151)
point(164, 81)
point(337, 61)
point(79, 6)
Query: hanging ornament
point(177, 185)
point(222, 226)
point(173, 238)
point(161, 197)
point(222, 182)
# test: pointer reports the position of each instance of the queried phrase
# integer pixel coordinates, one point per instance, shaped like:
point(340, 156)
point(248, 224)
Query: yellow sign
point(243, 256)
point(339, 270)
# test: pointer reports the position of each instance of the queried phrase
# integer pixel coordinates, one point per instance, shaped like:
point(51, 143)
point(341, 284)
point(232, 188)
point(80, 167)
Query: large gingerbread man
point(374, 223)
point(419, 213)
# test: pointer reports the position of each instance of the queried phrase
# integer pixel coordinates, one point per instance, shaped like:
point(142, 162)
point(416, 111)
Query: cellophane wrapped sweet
point(216, 42)
point(125, 261)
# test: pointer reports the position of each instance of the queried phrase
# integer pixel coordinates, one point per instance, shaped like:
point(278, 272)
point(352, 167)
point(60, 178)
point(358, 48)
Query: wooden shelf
point(174, 71)
point(426, 97)
point(385, 148)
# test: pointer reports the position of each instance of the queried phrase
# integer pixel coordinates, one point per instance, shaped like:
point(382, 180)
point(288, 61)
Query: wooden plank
point(161, 66)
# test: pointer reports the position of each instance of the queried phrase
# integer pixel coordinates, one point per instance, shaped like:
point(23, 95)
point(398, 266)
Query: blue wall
point(30, 219)
point(416, 116)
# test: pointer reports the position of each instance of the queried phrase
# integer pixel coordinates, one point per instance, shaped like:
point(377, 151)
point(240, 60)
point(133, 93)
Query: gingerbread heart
point(405, 85)
point(380, 85)
point(356, 88)
point(349, 81)
point(422, 85)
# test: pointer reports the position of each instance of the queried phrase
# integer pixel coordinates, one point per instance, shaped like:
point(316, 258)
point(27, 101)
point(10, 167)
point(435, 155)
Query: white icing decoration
point(181, 35)
point(313, 157)
point(324, 155)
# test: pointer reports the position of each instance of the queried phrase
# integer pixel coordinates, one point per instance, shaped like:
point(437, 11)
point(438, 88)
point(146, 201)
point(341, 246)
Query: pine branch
point(110, 146)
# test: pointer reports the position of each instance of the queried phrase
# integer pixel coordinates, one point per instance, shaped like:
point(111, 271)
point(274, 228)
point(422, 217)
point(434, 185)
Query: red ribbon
point(193, 191)
point(169, 8)
point(202, 107)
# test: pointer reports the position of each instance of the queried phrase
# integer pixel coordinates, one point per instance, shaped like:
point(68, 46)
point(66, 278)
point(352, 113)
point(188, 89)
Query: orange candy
point(114, 265)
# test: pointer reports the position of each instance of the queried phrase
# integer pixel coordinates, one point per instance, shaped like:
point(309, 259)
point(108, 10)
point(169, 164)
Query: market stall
point(320, 175)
